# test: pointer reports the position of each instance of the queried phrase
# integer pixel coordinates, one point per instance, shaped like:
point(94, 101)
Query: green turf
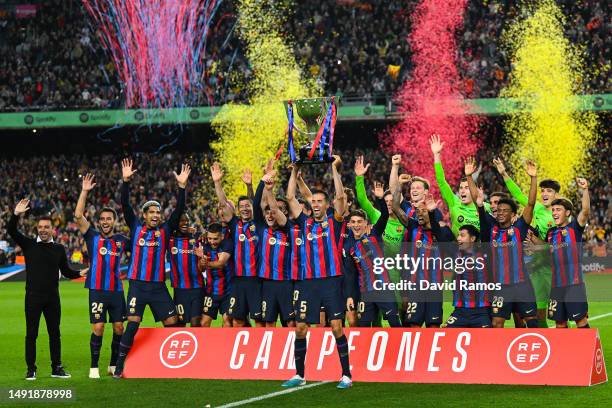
point(188, 393)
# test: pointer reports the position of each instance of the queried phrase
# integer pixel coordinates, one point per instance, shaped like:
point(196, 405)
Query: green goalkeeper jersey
point(542, 216)
point(394, 232)
point(460, 214)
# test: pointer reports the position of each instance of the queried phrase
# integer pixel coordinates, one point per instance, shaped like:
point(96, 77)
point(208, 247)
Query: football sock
point(532, 324)
point(126, 343)
point(300, 356)
point(343, 352)
point(115, 349)
point(95, 344)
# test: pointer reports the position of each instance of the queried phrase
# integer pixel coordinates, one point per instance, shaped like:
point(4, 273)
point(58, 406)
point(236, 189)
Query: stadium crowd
point(53, 185)
point(54, 61)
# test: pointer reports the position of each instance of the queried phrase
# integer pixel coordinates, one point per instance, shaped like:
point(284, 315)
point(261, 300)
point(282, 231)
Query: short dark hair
point(317, 191)
point(107, 209)
point(499, 194)
point(387, 192)
point(243, 198)
point(562, 201)
point(358, 213)
point(510, 202)
point(552, 184)
point(472, 230)
point(305, 203)
point(215, 227)
point(283, 199)
point(422, 180)
point(45, 217)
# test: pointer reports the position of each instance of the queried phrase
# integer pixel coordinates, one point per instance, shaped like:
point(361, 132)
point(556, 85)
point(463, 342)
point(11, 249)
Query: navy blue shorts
point(311, 295)
point(469, 317)
point(367, 312)
point(568, 303)
point(106, 302)
point(189, 303)
point(518, 298)
point(214, 304)
point(277, 300)
point(424, 306)
point(154, 294)
point(245, 298)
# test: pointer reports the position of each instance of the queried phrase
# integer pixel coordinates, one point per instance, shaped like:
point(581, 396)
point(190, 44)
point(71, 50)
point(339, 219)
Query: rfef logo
point(178, 349)
point(528, 353)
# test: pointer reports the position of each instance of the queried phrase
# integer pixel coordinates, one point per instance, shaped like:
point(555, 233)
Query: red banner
point(480, 356)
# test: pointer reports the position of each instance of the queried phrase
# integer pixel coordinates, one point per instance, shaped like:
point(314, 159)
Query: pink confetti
point(431, 101)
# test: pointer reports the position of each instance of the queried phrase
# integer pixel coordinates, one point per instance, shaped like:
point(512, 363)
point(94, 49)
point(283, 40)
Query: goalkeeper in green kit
point(461, 208)
point(539, 265)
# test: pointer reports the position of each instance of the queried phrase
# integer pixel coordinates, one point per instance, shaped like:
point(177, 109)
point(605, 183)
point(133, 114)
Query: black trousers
point(47, 304)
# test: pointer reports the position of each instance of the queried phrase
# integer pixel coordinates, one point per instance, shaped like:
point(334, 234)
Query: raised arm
point(268, 192)
point(585, 204)
point(127, 172)
point(396, 161)
point(469, 169)
point(445, 189)
point(21, 240)
point(532, 171)
point(381, 223)
point(362, 197)
point(88, 184)
point(181, 180)
point(514, 189)
point(247, 178)
point(340, 203)
point(295, 209)
point(397, 209)
point(303, 187)
point(257, 212)
point(217, 174)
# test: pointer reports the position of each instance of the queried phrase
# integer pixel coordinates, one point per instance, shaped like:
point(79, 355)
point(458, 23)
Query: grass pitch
point(107, 392)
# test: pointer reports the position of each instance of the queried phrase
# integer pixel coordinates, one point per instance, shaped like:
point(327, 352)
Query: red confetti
point(431, 101)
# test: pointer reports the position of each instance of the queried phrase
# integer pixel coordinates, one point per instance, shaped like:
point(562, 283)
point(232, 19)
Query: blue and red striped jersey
point(466, 294)
point(275, 253)
point(320, 239)
point(218, 280)
point(421, 243)
point(408, 209)
point(507, 263)
point(363, 251)
point(104, 260)
point(184, 263)
point(298, 250)
point(246, 242)
point(149, 245)
point(565, 248)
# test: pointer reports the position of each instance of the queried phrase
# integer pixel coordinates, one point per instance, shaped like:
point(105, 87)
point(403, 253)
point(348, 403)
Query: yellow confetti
point(251, 134)
point(547, 72)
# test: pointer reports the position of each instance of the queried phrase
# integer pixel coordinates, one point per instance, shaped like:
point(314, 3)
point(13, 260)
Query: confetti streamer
point(431, 101)
point(158, 47)
point(547, 72)
point(251, 134)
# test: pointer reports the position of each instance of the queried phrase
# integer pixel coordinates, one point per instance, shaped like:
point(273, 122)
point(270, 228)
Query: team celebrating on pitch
point(308, 258)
